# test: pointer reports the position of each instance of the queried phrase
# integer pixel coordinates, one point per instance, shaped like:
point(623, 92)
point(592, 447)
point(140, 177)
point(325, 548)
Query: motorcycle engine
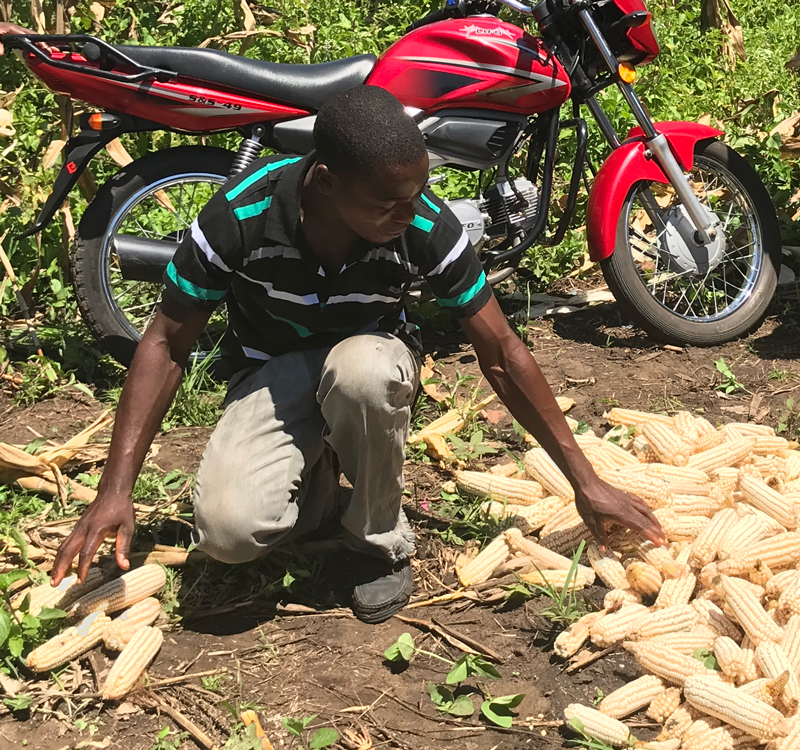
point(502, 211)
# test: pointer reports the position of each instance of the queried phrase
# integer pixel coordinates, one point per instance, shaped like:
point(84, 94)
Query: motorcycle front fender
point(628, 165)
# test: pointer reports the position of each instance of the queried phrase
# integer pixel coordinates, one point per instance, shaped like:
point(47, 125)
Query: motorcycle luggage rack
point(28, 43)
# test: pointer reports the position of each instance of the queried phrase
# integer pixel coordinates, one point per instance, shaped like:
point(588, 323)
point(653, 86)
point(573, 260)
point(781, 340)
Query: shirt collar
point(283, 217)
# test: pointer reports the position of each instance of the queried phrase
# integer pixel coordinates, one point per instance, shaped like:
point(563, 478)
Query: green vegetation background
point(689, 80)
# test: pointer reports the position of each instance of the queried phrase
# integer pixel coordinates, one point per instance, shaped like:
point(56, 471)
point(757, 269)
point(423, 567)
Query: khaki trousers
point(270, 471)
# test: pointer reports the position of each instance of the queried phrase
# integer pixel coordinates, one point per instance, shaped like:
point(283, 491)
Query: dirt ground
point(330, 664)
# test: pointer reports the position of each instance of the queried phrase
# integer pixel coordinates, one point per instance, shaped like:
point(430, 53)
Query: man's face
point(380, 207)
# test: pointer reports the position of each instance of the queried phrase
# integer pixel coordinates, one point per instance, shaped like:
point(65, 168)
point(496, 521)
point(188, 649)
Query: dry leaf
point(52, 152)
point(118, 152)
point(6, 118)
point(245, 16)
point(236, 35)
point(705, 119)
point(788, 128)
point(99, 13)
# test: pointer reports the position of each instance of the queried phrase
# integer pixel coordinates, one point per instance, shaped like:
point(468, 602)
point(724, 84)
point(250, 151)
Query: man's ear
point(326, 180)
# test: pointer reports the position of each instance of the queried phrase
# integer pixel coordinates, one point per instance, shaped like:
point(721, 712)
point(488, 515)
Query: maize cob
point(766, 499)
point(630, 698)
point(789, 600)
point(791, 642)
point(555, 578)
point(598, 726)
point(565, 518)
point(568, 641)
point(686, 641)
point(678, 723)
point(504, 489)
point(741, 535)
point(543, 469)
point(659, 558)
point(618, 598)
point(780, 582)
point(566, 540)
point(765, 689)
point(760, 574)
point(749, 613)
point(616, 454)
point(747, 586)
point(131, 663)
point(707, 542)
point(58, 597)
point(643, 578)
point(707, 442)
point(748, 469)
point(542, 557)
point(703, 735)
point(657, 493)
point(773, 662)
point(615, 627)
point(68, 644)
point(528, 518)
point(670, 665)
point(748, 429)
point(704, 427)
point(773, 527)
point(792, 487)
point(481, 567)
point(697, 505)
point(730, 657)
point(792, 739)
point(667, 444)
point(643, 452)
point(121, 629)
point(683, 423)
point(791, 463)
point(779, 551)
point(600, 460)
point(633, 418)
point(714, 618)
point(122, 592)
point(726, 454)
point(738, 709)
point(509, 469)
point(663, 621)
point(664, 705)
point(764, 445)
point(676, 590)
point(727, 479)
point(674, 474)
point(749, 652)
point(679, 527)
point(609, 570)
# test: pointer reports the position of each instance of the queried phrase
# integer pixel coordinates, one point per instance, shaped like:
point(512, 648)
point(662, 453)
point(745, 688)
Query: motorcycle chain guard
point(628, 165)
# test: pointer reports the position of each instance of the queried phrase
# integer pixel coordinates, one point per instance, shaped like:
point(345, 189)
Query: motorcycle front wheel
point(156, 197)
point(681, 294)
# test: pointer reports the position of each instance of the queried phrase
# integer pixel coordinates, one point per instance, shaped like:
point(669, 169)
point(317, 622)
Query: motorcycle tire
point(95, 301)
point(628, 285)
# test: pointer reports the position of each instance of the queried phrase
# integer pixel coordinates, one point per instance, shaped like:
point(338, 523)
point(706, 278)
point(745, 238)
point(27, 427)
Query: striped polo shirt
point(246, 247)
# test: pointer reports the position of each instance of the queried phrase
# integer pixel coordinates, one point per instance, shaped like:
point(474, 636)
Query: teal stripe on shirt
point(193, 290)
point(464, 297)
point(430, 204)
point(420, 223)
point(234, 193)
point(252, 209)
point(302, 331)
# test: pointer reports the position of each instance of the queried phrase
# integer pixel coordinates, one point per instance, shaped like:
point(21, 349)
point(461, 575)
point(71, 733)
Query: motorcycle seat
point(303, 86)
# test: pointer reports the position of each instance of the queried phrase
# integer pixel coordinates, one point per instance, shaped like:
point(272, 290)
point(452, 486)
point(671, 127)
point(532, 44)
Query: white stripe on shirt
point(274, 252)
point(298, 299)
point(208, 251)
point(383, 253)
point(358, 297)
point(453, 255)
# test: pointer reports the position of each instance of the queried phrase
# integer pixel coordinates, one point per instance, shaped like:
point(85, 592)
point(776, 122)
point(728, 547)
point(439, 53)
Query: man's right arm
point(149, 390)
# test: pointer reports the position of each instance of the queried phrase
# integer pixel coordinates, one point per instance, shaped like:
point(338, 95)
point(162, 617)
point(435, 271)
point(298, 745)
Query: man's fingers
point(65, 555)
point(90, 547)
point(123, 545)
point(594, 525)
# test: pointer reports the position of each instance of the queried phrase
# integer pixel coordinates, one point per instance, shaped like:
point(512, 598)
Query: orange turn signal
point(627, 72)
point(96, 121)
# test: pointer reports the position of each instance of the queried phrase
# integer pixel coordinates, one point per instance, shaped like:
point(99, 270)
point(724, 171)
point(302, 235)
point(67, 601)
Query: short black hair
point(363, 128)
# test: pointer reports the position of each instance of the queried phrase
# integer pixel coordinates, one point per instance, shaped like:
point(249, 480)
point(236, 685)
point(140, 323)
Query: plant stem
point(435, 656)
point(13, 611)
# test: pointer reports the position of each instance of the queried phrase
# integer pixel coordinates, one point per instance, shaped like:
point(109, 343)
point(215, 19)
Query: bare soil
point(330, 664)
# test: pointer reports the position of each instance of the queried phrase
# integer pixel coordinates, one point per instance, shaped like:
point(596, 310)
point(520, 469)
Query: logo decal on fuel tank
point(490, 31)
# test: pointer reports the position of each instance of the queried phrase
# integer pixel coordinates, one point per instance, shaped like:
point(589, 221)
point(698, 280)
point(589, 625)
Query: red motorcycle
point(682, 226)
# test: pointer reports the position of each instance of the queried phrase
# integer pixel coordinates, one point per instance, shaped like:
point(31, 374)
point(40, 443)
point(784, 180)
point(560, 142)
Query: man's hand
point(11, 28)
point(599, 501)
point(108, 517)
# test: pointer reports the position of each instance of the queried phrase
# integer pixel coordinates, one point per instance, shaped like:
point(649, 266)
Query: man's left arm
point(513, 373)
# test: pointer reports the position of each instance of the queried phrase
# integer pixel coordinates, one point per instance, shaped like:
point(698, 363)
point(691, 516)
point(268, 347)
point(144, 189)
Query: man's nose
point(404, 212)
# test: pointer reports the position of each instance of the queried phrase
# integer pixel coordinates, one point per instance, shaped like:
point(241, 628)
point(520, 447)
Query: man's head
point(372, 163)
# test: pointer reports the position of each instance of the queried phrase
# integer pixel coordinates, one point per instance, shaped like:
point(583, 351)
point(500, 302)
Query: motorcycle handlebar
point(437, 15)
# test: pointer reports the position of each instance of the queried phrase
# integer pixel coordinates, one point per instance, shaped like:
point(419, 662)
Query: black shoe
point(385, 591)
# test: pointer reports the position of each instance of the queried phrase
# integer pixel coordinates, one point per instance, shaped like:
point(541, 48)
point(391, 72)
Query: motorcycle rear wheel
point(167, 188)
point(701, 308)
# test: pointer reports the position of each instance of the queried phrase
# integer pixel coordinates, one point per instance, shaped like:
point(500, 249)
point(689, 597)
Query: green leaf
point(482, 668)
point(18, 702)
point(308, 719)
point(577, 725)
point(19, 540)
point(707, 658)
point(324, 737)
point(461, 706)
point(5, 626)
point(288, 580)
point(440, 694)
point(293, 726)
point(15, 642)
point(35, 445)
point(497, 714)
point(509, 701)
point(477, 437)
point(51, 613)
point(459, 672)
point(6, 579)
point(401, 650)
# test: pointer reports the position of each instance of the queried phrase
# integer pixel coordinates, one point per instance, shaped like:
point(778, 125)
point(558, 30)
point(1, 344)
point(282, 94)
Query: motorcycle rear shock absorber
point(248, 152)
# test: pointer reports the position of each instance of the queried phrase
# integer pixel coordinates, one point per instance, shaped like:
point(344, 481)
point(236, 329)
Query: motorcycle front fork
point(657, 145)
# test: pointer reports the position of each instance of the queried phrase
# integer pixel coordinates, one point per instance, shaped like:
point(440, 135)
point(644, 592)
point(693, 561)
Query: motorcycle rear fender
point(626, 166)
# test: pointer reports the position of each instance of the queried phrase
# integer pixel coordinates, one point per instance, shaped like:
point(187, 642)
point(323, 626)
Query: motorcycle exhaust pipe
point(143, 259)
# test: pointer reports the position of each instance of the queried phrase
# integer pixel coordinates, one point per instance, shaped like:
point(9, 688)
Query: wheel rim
point(718, 292)
point(161, 210)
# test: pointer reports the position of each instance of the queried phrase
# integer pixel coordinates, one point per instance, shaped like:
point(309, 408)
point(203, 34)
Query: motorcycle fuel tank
point(477, 62)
